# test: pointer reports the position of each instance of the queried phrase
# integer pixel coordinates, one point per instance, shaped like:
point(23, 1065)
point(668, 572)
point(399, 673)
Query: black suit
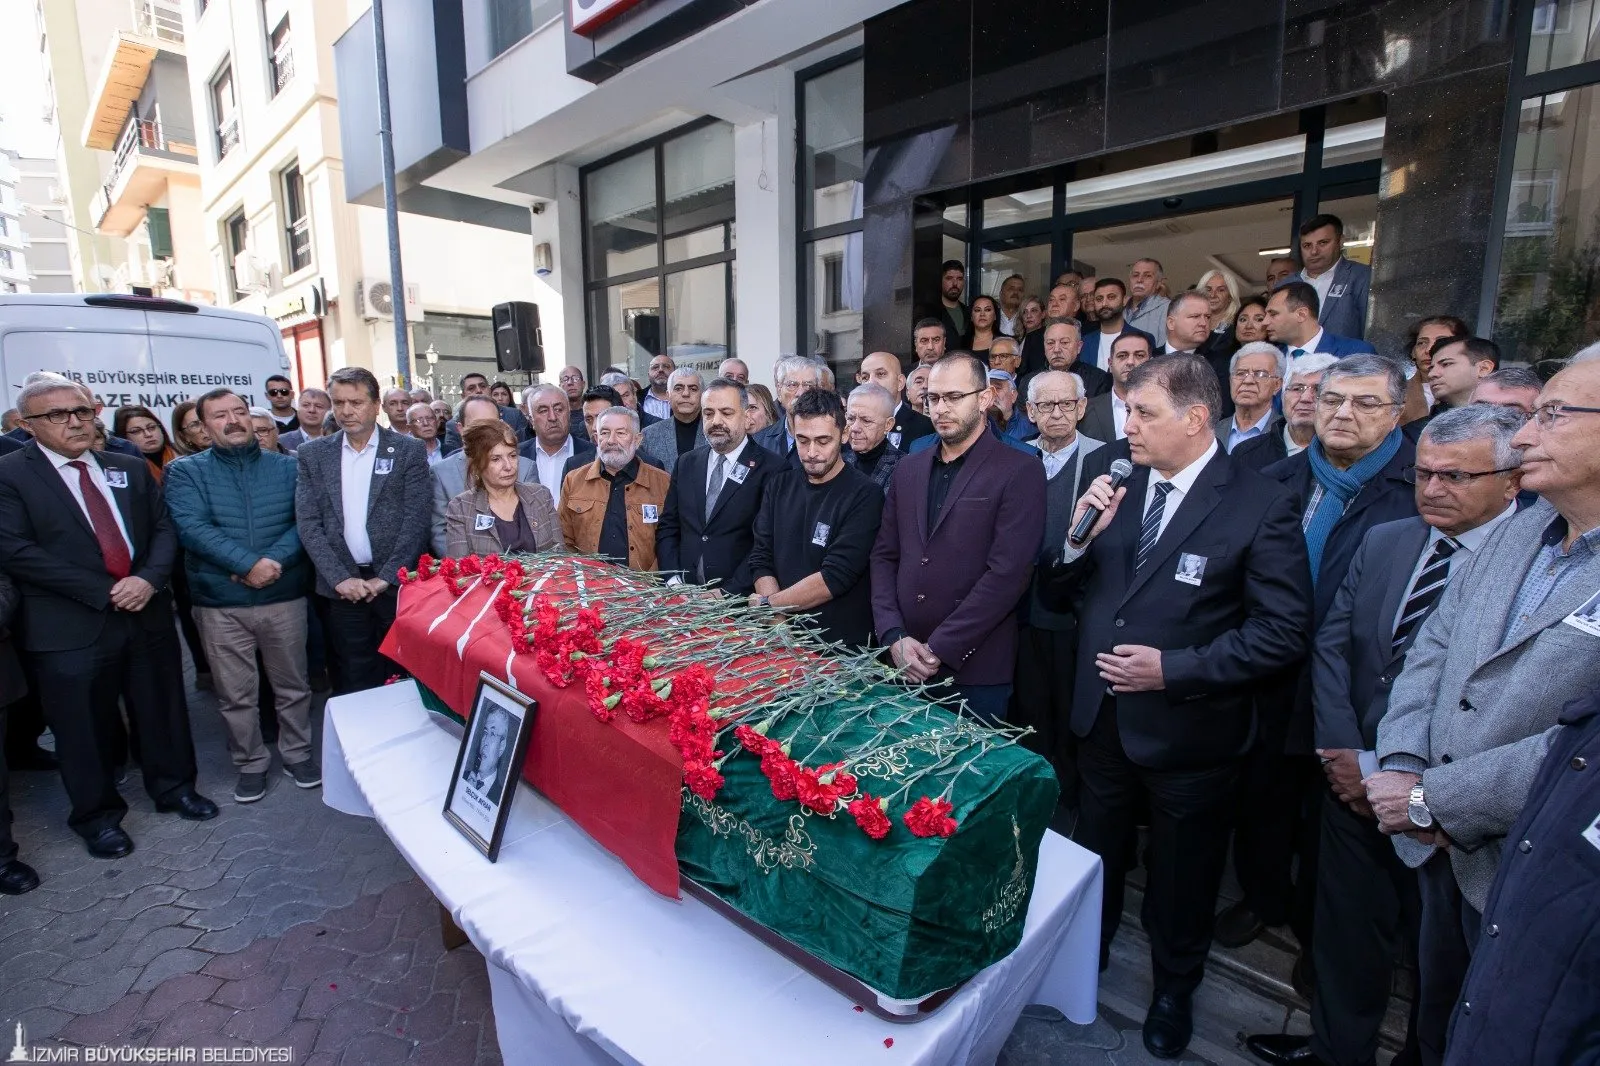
point(1098, 422)
point(1364, 892)
point(1258, 453)
point(1182, 748)
point(1096, 382)
point(582, 451)
point(86, 654)
point(909, 425)
point(716, 549)
point(9, 444)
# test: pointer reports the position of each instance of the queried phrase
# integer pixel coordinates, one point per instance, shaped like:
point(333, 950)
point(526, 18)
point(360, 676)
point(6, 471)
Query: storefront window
point(831, 159)
point(660, 263)
point(831, 169)
point(1565, 33)
point(1548, 303)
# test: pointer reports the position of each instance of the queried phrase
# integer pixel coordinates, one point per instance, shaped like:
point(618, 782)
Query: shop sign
point(589, 15)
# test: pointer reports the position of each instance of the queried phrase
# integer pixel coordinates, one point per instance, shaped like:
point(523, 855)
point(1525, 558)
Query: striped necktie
point(1426, 592)
point(1150, 532)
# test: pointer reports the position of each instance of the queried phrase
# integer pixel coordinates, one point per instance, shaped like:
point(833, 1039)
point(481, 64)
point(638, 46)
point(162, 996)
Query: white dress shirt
point(1323, 283)
point(1181, 483)
point(550, 466)
point(727, 468)
point(97, 475)
point(1102, 357)
point(1054, 461)
point(655, 406)
point(1009, 323)
point(1119, 414)
point(1237, 434)
point(355, 489)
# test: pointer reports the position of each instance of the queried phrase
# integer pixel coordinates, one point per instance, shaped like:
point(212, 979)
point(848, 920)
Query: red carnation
point(703, 780)
point(813, 794)
point(870, 816)
point(930, 818)
point(425, 565)
point(780, 771)
point(755, 743)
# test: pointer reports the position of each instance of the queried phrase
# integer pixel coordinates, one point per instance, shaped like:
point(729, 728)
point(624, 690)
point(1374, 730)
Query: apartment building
point(14, 276)
point(139, 114)
point(279, 234)
point(43, 224)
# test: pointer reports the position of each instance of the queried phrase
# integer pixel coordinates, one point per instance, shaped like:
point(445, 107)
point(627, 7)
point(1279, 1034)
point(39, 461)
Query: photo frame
point(489, 763)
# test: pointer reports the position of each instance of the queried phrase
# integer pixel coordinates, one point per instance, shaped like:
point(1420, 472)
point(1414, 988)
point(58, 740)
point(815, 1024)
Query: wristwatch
point(1417, 809)
point(762, 600)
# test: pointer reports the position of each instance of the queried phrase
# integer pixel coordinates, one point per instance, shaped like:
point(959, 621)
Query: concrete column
point(560, 294)
point(764, 207)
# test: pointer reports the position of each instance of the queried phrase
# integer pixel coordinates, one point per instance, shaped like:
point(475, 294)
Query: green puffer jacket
point(233, 507)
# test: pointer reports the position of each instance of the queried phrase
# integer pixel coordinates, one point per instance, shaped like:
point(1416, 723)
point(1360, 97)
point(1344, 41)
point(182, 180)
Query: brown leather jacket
point(584, 495)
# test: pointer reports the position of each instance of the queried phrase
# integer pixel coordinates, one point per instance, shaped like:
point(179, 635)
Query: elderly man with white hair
point(868, 417)
point(1293, 432)
point(663, 442)
point(612, 506)
point(794, 374)
point(1255, 372)
point(426, 427)
point(553, 442)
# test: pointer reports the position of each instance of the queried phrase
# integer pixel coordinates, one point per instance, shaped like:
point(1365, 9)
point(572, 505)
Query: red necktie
point(112, 546)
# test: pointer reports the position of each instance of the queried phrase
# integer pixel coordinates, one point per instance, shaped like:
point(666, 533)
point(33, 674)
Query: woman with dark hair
point(1250, 321)
point(189, 433)
point(985, 315)
point(501, 394)
point(762, 409)
point(144, 429)
point(498, 514)
point(1421, 339)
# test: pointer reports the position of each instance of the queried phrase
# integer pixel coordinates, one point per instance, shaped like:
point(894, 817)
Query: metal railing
point(227, 137)
point(282, 67)
point(144, 135)
point(160, 19)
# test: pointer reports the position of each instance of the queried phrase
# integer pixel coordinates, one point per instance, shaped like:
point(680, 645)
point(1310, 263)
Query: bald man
point(883, 369)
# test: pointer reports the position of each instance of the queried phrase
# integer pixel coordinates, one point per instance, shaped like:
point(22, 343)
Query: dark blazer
point(1096, 382)
point(1386, 498)
point(1060, 496)
point(1345, 310)
point(399, 508)
point(717, 550)
point(1530, 993)
point(511, 416)
point(1097, 421)
point(1258, 453)
point(9, 444)
point(886, 463)
point(48, 547)
point(1247, 619)
point(1353, 661)
point(956, 586)
point(582, 451)
point(909, 425)
point(775, 439)
point(13, 682)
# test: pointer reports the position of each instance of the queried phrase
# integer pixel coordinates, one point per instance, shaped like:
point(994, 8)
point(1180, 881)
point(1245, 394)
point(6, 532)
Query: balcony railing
point(160, 19)
point(282, 67)
point(146, 135)
point(227, 137)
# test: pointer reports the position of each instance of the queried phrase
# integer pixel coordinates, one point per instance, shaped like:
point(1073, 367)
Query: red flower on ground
point(870, 816)
point(930, 818)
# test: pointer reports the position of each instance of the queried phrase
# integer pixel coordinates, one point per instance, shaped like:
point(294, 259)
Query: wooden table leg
point(449, 932)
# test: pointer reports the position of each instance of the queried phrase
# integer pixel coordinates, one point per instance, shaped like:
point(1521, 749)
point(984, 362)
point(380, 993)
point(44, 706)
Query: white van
point(137, 350)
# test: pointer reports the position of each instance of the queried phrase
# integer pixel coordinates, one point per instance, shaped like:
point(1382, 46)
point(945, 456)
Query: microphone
point(1120, 470)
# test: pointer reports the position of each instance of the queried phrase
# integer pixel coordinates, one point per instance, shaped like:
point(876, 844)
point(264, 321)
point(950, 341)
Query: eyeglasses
point(1300, 390)
point(950, 398)
point(280, 392)
point(59, 417)
point(1421, 475)
point(1254, 375)
point(263, 431)
point(1545, 416)
point(1052, 407)
point(1331, 402)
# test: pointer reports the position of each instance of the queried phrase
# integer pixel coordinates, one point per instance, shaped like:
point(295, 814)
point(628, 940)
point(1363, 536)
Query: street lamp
point(432, 356)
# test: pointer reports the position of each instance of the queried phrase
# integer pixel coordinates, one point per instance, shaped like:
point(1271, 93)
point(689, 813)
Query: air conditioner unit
point(248, 273)
point(376, 298)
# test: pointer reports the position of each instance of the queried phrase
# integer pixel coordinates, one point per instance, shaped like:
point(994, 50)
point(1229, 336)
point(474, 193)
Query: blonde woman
point(1222, 297)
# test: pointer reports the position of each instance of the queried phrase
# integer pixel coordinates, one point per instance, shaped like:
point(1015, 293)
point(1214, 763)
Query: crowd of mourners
point(1263, 594)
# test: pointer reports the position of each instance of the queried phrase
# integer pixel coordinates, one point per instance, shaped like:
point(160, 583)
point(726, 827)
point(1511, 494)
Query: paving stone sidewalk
point(285, 923)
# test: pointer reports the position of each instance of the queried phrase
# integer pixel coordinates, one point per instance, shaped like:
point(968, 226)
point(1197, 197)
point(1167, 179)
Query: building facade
point(43, 225)
point(280, 237)
point(787, 175)
point(14, 275)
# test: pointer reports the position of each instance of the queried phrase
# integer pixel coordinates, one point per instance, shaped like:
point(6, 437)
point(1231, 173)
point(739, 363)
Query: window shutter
point(159, 228)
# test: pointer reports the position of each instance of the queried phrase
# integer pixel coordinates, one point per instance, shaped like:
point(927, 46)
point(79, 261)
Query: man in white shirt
point(1147, 308)
point(1342, 285)
point(424, 424)
point(657, 403)
point(1292, 325)
point(1105, 415)
point(553, 443)
point(1256, 372)
point(1011, 293)
point(1110, 297)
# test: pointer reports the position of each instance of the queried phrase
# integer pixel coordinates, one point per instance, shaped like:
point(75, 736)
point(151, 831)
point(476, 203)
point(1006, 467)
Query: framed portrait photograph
point(489, 764)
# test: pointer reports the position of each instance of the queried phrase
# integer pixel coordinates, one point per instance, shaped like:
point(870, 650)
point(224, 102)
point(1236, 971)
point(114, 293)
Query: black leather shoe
point(190, 806)
point(1169, 1025)
point(1237, 926)
point(1281, 1049)
point(110, 843)
point(17, 878)
point(32, 758)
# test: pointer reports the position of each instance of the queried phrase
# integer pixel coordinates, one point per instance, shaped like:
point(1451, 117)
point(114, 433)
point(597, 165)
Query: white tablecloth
point(587, 965)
